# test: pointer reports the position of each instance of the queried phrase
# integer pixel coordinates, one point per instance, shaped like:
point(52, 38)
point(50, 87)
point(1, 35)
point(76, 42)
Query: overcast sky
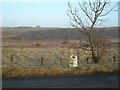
point(44, 14)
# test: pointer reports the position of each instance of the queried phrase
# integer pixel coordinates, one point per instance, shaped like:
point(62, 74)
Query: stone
point(73, 61)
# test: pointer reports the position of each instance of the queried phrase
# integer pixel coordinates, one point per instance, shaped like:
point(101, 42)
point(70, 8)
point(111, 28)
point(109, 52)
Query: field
point(27, 53)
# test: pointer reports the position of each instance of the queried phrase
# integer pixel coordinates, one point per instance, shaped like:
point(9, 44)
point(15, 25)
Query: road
point(83, 81)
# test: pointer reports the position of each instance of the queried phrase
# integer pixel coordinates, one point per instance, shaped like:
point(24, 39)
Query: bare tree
point(85, 17)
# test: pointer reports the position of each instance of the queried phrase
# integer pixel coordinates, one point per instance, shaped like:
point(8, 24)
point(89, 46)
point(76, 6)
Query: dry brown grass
point(26, 63)
point(56, 71)
point(31, 72)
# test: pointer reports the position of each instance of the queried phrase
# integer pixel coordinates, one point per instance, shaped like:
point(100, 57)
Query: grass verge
point(58, 71)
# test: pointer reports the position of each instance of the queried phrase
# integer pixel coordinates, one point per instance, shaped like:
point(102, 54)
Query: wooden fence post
point(87, 60)
point(60, 61)
point(11, 57)
point(114, 59)
point(41, 60)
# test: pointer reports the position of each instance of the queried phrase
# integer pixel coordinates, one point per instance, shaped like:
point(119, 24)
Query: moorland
point(36, 51)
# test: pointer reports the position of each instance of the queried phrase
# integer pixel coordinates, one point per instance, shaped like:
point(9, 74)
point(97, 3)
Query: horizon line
point(51, 26)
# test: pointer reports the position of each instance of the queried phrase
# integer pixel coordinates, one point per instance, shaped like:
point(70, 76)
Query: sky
point(44, 14)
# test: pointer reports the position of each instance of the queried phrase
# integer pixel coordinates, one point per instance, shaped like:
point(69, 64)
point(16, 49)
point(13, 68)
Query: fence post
point(114, 59)
point(41, 60)
point(87, 60)
point(11, 57)
point(60, 61)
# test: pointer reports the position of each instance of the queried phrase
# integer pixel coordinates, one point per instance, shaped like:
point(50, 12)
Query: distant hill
point(37, 33)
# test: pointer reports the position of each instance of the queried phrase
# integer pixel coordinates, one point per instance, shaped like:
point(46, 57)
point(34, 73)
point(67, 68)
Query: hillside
point(34, 33)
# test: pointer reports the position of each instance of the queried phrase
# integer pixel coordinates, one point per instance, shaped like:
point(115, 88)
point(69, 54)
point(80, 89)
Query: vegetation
point(59, 71)
point(34, 52)
point(87, 16)
point(26, 62)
